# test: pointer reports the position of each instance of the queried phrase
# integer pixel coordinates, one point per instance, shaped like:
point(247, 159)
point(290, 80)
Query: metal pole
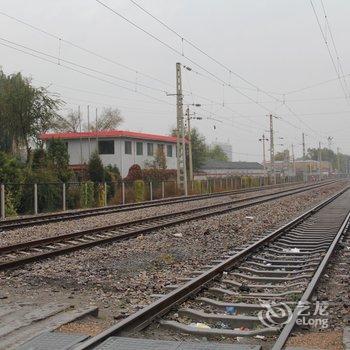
point(304, 148)
point(35, 199)
point(163, 190)
point(64, 197)
point(189, 144)
point(105, 194)
point(319, 160)
point(2, 201)
point(151, 191)
point(81, 141)
point(338, 160)
point(294, 169)
point(88, 120)
point(272, 150)
point(123, 192)
point(180, 133)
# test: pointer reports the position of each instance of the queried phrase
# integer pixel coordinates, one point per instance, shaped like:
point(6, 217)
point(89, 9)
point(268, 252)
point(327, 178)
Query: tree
point(110, 119)
point(284, 155)
point(69, 123)
point(58, 157)
point(159, 159)
point(199, 149)
point(95, 168)
point(217, 153)
point(25, 112)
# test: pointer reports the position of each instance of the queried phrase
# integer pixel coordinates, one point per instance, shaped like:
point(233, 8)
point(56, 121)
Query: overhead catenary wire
point(89, 51)
point(346, 94)
point(86, 74)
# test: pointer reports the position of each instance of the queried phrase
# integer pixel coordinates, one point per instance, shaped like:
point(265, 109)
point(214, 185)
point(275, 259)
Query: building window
point(169, 150)
point(128, 147)
point(106, 147)
point(150, 149)
point(139, 148)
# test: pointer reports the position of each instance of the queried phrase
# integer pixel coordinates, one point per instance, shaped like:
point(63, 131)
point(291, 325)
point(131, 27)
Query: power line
point(328, 49)
point(86, 74)
point(315, 85)
point(59, 60)
point(229, 70)
point(91, 52)
point(334, 46)
point(183, 55)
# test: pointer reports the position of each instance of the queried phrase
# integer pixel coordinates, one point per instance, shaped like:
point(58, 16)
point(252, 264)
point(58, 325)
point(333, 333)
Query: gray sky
point(274, 44)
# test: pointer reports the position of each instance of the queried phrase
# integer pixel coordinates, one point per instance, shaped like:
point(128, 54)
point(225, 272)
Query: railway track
point(26, 252)
point(227, 299)
point(42, 219)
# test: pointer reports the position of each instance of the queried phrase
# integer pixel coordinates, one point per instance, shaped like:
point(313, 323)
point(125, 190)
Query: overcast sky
point(276, 46)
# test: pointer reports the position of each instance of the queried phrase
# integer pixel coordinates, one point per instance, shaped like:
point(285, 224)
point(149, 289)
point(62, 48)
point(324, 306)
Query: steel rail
point(136, 227)
point(287, 329)
point(158, 308)
point(42, 219)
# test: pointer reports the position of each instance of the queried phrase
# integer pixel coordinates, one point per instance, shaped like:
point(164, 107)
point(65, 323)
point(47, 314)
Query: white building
point(226, 147)
point(117, 147)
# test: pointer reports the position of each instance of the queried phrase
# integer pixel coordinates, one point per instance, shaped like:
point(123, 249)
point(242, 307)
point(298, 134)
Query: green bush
point(95, 168)
point(139, 187)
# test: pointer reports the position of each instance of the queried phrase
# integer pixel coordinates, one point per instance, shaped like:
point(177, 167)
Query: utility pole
point(304, 148)
point(319, 159)
point(272, 150)
point(180, 133)
point(338, 159)
point(293, 158)
point(81, 141)
point(189, 143)
point(263, 140)
point(88, 121)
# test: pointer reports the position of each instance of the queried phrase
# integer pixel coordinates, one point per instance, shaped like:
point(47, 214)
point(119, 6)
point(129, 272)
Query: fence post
point(35, 199)
point(123, 192)
point(105, 196)
point(64, 197)
point(151, 191)
point(163, 190)
point(2, 201)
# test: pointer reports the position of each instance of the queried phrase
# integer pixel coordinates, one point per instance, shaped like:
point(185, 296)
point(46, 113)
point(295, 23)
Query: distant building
point(302, 167)
point(116, 147)
point(226, 147)
point(216, 168)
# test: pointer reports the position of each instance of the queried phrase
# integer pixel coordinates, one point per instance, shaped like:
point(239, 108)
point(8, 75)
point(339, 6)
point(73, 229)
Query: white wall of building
point(80, 151)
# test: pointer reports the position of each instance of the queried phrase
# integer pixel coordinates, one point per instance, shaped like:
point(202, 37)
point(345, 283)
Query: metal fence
point(26, 199)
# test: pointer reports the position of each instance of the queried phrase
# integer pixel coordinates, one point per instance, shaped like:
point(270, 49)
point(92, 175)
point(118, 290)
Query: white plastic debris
point(261, 337)
point(291, 250)
point(250, 217)
point(178, 235)
point(199, 325)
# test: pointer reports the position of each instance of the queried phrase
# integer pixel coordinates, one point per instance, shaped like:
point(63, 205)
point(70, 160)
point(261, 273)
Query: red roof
point(108, 134)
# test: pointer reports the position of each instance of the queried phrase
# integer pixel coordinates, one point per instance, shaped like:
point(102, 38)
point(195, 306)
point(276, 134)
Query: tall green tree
point(25, 112)
point(57, 154)
point(95, 168)
point(217, 153)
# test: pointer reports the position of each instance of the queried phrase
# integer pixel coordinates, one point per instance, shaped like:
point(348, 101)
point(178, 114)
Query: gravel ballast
point(67, 226)
point(121, 277)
